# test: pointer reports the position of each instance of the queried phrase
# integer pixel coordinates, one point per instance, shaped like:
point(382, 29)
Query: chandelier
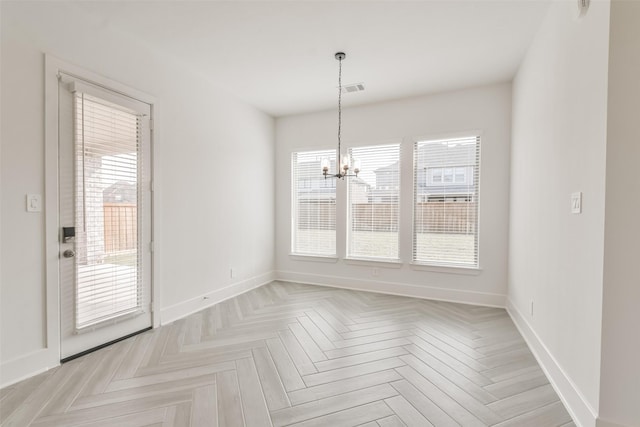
point(345, 162)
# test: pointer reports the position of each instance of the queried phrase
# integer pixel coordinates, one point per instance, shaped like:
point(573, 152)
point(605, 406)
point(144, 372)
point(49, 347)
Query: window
point(313, 228)
point(448, 175)
point(373, 203)
point(436, 175)
point(446, 190)
point(108, 143)
point(439, 175)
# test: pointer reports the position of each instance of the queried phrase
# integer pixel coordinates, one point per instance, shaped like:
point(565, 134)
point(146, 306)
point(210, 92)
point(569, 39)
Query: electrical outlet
point(531, 308)
point(375, 272)
point(232, 273)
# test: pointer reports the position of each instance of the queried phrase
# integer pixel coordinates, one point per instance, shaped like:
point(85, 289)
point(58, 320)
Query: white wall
point(620, 372)
point(486, 109)
point(559, 147)
point(214, 185)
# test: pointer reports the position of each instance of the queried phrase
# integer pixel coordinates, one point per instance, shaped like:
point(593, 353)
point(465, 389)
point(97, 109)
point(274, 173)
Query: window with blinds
point(373, 201)
point(313, 202)
point(107, 211)
point(446, 197)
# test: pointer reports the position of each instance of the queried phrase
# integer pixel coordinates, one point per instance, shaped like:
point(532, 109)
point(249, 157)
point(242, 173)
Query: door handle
point(69, 253)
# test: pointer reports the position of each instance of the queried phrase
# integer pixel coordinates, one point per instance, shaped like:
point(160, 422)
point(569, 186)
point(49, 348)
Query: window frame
point(471, 179)
point(348, 218)
point(406, 209)
point(308, 184)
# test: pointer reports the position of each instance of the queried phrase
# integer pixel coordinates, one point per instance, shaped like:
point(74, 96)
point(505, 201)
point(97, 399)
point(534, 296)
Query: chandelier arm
point(340, 175)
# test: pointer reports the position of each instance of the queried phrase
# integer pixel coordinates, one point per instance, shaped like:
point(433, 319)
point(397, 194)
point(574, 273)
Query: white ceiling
point(278, 56)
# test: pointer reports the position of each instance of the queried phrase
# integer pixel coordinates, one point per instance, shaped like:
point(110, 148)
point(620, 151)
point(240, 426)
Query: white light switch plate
point(576, 202)
point(34, 203)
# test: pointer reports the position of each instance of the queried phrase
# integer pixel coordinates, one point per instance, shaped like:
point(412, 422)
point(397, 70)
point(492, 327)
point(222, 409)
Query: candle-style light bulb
point(325, 165)
point(356, 166)
point(346, 163)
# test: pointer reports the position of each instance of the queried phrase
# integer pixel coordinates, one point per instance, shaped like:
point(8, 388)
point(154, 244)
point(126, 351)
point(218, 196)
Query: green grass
point(434, 247)
point(125, 258)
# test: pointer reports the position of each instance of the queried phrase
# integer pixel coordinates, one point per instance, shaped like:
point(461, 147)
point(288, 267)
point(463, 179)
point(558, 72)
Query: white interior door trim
point(53, 66)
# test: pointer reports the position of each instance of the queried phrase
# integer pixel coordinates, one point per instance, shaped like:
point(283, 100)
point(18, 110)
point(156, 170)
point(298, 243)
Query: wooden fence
point(374, 217)
point(120, 227)
point(430, 217)
point(446, 217)
point(317, 215)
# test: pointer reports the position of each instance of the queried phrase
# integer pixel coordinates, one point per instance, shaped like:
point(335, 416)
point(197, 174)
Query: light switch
point(576, 203)
point(34, 203)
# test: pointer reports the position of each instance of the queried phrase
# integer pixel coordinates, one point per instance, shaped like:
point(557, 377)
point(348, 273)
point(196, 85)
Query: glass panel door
point(105, 201)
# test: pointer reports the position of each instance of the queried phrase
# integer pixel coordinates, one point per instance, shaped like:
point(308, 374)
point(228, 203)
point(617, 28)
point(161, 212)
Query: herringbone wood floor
point(290, 354)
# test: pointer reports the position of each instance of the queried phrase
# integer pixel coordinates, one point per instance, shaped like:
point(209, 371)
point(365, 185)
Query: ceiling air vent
point(353, 87)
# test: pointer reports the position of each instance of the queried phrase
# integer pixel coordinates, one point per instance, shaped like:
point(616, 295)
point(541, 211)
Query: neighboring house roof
point(316, 186)
point(393, 167)
point(432, 156)
point(120, 192)
point(456, 154)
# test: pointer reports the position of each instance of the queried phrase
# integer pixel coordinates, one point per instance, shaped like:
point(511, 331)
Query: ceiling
point(279, 55)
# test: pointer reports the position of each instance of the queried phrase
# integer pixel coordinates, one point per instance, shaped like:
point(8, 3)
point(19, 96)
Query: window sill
point(369, 262)
point(314, 258)
point(469, 271)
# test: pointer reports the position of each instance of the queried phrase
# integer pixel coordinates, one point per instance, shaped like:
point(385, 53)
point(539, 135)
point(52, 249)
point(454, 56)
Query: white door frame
point(53, 66)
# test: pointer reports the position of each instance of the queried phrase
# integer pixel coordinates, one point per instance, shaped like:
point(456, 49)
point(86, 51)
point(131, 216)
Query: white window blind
point(108, 208)
point(373, 203)
point(446, 197)
point(313, 201)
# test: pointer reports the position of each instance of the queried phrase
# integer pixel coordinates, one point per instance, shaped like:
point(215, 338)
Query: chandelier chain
point(339, 106)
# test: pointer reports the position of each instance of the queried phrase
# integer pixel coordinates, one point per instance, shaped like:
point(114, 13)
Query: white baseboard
point(39, 361)
point(580, 410)
point(16, 370)
point(185, 308)
point(393, 288)
point(603, 423)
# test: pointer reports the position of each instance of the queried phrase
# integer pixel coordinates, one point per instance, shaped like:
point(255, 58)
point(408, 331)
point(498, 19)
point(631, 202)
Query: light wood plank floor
point(290, 354)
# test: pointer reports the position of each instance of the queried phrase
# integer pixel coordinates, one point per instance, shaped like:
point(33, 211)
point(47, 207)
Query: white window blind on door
point(446, 197)
point(373, 203)
point(313, 201)
point(108, 208)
